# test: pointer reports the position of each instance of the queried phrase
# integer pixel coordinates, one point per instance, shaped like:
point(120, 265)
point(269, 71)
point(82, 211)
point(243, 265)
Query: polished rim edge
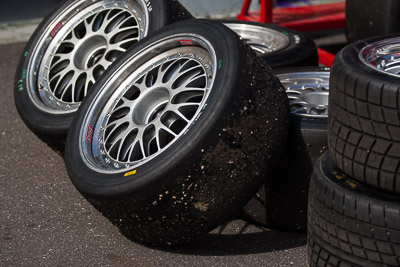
point(308, 93)
point(150, 109)
point(262, 40)
point(383, 56)
point(78, 46)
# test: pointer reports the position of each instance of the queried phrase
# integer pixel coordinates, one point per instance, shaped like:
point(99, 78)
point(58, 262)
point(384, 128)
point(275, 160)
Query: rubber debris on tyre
point(178, 134)
point(71, 49)
point(364, 110)
point(280, 47)
point(282, 201)
point(350, 224)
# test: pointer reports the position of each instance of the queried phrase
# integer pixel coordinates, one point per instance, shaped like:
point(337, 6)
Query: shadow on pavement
point(57, 146)
point(239, 238)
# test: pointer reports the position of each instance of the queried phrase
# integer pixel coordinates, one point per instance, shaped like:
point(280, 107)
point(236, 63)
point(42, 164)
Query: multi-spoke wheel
point(153, 108)
point(279, 47)
point(383, 56)
point(308, 92)
point(73, 47)
point(282, 201)
point(178, 134)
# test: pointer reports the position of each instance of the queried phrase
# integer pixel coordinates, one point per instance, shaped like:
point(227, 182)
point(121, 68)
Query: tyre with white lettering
point(178, 134)
point(71, 49)
point(350, 224)
point(282, 201)
point(280, 47)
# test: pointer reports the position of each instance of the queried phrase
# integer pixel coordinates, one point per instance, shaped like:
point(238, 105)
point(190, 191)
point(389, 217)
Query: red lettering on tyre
point(186, 42)
point(56, 29)
point(89, 134)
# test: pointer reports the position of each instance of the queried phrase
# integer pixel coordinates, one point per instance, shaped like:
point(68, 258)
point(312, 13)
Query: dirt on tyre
point(280, 47)
point(364, 110)
point(71, 49)
point(178, 134)
point(350, 224)
point(282, 201)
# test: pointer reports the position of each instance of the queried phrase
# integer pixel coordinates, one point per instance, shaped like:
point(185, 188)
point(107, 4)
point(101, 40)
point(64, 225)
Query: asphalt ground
point(44, 221)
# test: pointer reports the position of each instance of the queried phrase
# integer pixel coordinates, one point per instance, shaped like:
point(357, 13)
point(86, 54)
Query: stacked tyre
point(354, 201)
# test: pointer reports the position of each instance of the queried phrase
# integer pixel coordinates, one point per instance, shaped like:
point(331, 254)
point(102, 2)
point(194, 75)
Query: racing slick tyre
point(280, 47)
point(282, 201)
point(71, 49)
point(178, 134)
point(364, 112)
point(350, 224)
point(371, 18)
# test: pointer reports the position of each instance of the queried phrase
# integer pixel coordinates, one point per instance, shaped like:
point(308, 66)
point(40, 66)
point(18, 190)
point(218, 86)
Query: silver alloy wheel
point(261, 39)
point(152, 107)
point(308, 93)
point(383, 56)
point(78, 46)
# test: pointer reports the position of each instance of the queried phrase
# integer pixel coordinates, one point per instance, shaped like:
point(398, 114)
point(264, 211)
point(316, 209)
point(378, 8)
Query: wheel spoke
point(177, 112)
point(184, 87)
point(71, 83)
point(178, 73)
point(112, 21)
point(117, 28)
point(61, 73)
point(165, 128)
point(64, 79)
point(119, 45)
point(141, 144)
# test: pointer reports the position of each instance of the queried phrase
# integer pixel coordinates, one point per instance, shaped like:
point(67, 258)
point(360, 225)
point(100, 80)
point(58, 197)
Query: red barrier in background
point(302, 18)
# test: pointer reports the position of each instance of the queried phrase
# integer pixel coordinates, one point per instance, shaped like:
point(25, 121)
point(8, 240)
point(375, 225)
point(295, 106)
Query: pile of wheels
point(175, 123)
point(354, 203)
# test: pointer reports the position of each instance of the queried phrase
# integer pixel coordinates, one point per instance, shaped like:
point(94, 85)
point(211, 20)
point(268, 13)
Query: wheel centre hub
point(90, 52)
point(150, 106)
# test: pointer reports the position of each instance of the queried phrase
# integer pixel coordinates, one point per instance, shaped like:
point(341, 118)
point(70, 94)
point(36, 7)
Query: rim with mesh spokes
point(261, 39)
point(78, 46)
point(152, 107)
point(383, 56)
point(308, 93)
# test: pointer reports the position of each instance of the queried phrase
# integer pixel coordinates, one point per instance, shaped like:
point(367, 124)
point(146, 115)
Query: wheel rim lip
point(89, 156)
point(70, 15)
point(259, 37)
point(382, 56)
point(305, 80)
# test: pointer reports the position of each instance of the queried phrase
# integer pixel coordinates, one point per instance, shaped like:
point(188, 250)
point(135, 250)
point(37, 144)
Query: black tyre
point(282, 201)
point(70, 50)
point(364, 109)
point(350, 224)
point(371, 18)
point(280, 47)
point(179, 172)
